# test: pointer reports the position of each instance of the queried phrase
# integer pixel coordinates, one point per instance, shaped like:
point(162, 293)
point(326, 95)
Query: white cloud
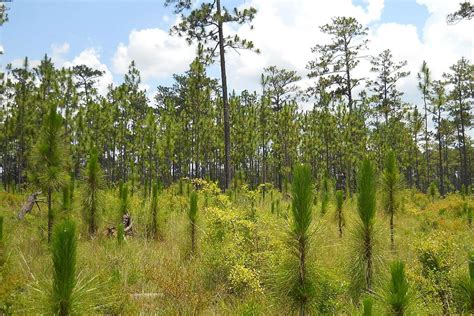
point(285, 33)
point(57, 52)
point(156, 54)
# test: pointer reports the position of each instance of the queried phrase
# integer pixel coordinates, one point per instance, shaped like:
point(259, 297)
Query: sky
point(109, 34)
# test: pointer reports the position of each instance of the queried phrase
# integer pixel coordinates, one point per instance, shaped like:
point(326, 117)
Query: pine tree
point(397, 295)
point(64, 268)
point(205, 24)
point(364, 248)
point(92, 198)
point(424, 84)
point(49, 160)
point(303, 288)
point(391, 185)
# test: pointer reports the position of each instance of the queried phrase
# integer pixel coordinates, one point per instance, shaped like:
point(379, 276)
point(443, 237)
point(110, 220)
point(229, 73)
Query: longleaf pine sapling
point(362, 263)
point(397, 295)
point(64, 268)
point(93, 179)
point(49, 160)
point(302, 291)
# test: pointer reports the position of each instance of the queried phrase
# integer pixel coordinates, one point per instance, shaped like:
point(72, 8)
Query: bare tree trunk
point(225, 101)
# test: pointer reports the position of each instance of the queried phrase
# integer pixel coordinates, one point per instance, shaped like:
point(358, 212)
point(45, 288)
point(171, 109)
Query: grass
point(233, 271)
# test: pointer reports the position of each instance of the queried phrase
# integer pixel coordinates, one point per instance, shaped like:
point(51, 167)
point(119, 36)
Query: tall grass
point(64, 246)
point(339, 214)
point(1, 228)
point(192, 215)
point(120, 233)
point(465, 288)
point(154, 230)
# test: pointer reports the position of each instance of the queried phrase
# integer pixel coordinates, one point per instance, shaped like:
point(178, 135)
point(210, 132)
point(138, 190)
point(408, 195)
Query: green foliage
point(92, 192)
point(366, 200)
point(1, 228)
point(364, 249)
point(49, 159)
point(232, 258)
point(435, 255)
point(397, 293)
point(302, 291)
point(64, 267)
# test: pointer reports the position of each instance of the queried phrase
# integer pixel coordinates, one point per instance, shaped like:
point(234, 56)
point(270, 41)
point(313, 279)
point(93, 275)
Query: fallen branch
point(28, 206)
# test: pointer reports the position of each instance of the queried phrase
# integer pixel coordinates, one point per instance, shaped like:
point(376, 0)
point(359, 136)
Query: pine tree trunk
point(224, 100)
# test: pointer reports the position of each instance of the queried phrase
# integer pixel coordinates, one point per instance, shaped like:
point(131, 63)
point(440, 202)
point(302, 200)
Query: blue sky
point(94, 30)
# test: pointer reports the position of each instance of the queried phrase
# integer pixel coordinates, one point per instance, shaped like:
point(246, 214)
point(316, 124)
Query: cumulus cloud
point(285, 33)
point(156, 54)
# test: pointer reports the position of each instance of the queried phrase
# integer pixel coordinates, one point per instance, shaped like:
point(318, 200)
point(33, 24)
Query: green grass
point(233, 273)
